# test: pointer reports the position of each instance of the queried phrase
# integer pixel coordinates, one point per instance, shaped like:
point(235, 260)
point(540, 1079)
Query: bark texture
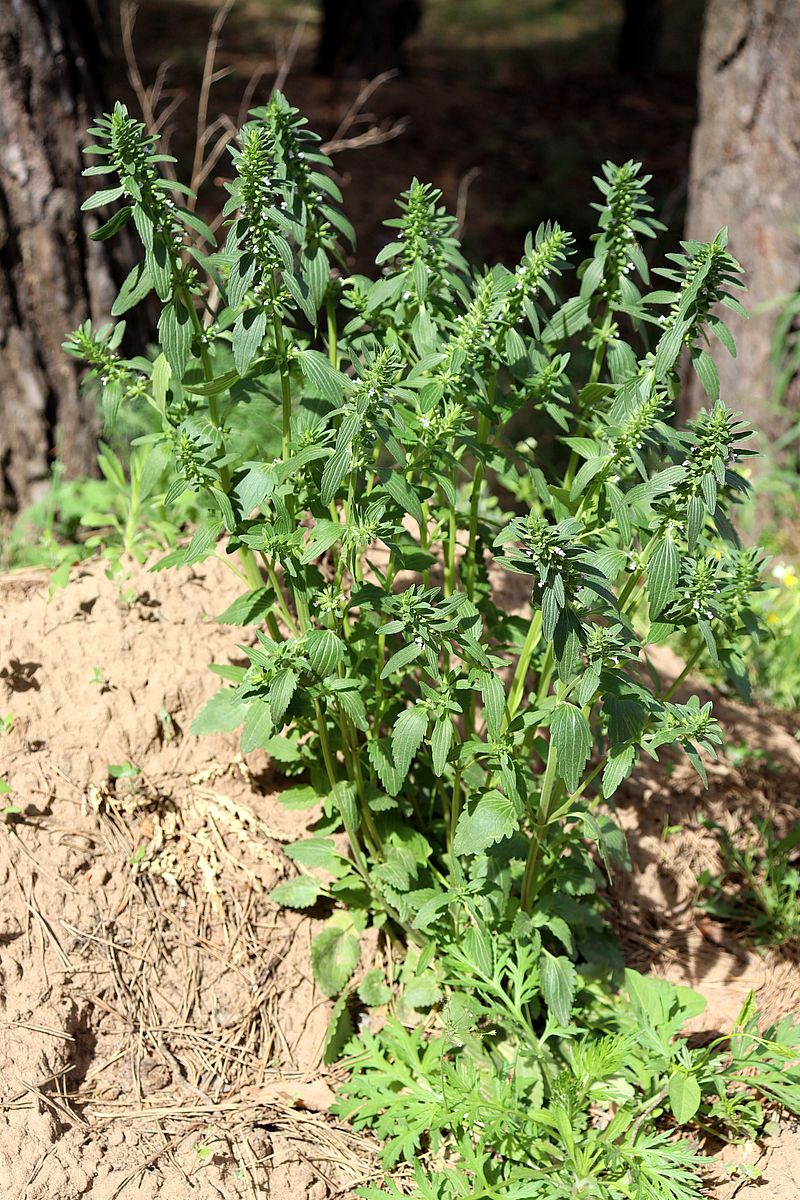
point(51, 275)
point(745, 174)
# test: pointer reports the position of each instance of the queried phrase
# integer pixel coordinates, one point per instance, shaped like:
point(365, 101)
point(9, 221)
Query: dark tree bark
point(51, 275)
point(365, 37)
point(745, 173)
point(640, 36)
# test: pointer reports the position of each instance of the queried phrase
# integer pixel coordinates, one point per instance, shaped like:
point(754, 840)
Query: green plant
point(466, 753)
point(758, 887)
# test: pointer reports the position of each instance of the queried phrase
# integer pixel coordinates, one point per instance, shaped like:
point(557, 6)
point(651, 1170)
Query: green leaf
point(175, 335)
point(248, 334)
point(137, 285)
point(662, 575)
point(380, 757)
point(402, 658)
point(494, 702)
point(684, 1097)
point(223, 713)
point(160, 377)
point(334, 954)
point(572, 739)
point(559, 979)
point(340, 1032)
point(302, 892)
point(325, 650)
point(493, 818)
point(707, 373)
point(258, 726)
point(571, 317)
point(280, 693)
point(247, 609)
point(324, 376)
point(421, 993)
point(317, 852)
point(373, 989)
point(441, 741)
point(297, 799)
point(409, 730)
point(403, 494)
point(112, 225)
point(619, 766)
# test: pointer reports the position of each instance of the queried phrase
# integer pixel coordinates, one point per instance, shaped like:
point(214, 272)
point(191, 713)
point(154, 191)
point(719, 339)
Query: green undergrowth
point(468, 756)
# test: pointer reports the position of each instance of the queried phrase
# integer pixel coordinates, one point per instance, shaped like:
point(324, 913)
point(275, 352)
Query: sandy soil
point(160, 1035)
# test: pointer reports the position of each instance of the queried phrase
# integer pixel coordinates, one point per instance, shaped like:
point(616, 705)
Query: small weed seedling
point(759, 889)
point(352, 446)
point(6, 724)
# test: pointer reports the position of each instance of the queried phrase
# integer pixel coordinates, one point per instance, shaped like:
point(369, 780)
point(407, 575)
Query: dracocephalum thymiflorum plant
point(467, 754)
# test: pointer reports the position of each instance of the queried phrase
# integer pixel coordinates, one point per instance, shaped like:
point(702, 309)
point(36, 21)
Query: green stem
point(521, 673)
point(474, 504)
point(330, 768)
point(537, 836)
point(333, 337)
point(286, 383)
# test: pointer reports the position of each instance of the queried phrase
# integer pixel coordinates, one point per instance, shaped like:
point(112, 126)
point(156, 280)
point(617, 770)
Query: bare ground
point(160, 1035)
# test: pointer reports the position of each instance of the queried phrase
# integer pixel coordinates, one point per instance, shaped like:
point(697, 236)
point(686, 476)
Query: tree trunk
point(365, 37)
point(745, 173)
point(51, 275)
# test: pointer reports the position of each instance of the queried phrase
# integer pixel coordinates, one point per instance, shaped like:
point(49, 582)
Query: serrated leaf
point(324, 376)
point(491, 819)
point(296, 799)
point(494, 702)
point(258, 726)
point(340, 1032)
point(684, 1097)
point(558, 978)
point(175, 335)
point(421, 993)
point(373, 989)
point(402, 658)
point(325, 650)
point(302, 892)
point(281, 691)
point(572, 739)
point(662, 575)
point(707, 373)
point(247, 609)
point(137, 285)
point(248, 334)
point(380, 757)
point(223, 713)
point(409, 730)
point(441, 741)
point(619, 766)
point(315, 852)
point(334, 956)
point(112, 225)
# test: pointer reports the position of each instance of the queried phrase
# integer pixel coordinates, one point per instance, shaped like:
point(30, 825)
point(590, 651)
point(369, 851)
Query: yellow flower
point(772, 617)
point(790, 578)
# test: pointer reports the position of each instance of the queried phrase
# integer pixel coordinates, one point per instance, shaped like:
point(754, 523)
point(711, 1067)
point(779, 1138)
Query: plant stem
point(470, 564)
point(520, 674)
point(330, 769)
point(537, 836)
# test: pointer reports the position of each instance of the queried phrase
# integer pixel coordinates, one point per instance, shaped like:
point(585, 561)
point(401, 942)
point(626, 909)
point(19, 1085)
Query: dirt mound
point(160, 1035)
point(159, 1031)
